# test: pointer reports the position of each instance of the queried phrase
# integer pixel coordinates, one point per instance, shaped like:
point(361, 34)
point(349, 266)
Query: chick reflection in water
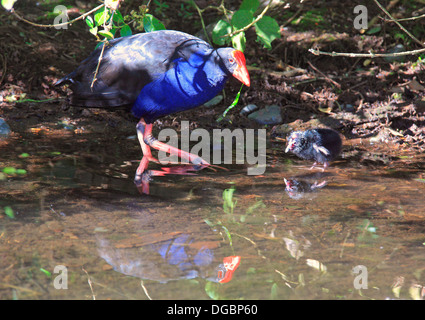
point(299, 188)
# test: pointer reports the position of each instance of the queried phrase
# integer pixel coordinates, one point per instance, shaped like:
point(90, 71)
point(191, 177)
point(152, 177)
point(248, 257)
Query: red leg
point(147, 140)
point(143, 176)
point(144, 129)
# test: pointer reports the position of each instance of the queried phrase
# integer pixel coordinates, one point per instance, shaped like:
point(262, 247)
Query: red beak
point(241, 72)
point(230, 264)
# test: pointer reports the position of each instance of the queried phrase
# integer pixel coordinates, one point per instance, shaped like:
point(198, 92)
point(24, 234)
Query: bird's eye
point(231, 60)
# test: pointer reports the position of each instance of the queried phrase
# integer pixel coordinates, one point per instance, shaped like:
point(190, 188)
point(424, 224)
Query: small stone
point(269, 115)
point(4, 128)
point(248, 109)
point(214, 101)
point(397, 49)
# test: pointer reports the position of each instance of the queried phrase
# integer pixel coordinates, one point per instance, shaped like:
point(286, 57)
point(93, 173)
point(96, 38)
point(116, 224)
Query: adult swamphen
point(158, 73)
point(320, 145)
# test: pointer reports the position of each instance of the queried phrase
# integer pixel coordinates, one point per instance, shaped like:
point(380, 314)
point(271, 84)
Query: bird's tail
point(67, 78)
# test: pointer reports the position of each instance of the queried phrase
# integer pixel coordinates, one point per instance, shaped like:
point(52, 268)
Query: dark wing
point(127, 65)
point(329, 143)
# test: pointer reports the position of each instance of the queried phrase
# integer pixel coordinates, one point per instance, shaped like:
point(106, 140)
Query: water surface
point(352, 232)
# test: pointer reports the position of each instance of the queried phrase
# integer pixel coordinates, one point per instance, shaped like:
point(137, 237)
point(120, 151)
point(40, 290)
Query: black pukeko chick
point(320, 145)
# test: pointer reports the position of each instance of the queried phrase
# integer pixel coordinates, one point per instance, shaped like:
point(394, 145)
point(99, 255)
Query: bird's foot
point(150, 158)
point(325, 165)
point(142, 181)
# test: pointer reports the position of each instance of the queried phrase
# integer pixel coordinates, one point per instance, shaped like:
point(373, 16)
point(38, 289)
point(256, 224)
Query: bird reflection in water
point(298, 188)
point(144, 176)
point(178, 257)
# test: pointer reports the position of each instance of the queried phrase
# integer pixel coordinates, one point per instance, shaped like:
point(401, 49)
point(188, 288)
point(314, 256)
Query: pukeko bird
point(321, 145)
point(158, 73)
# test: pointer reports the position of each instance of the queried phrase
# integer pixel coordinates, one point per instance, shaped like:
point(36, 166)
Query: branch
point(202, 20)
point(260, 16)
point(398, 23)
point(55, 25)
point(406, 19)
point(365, 55)
point(105, 41)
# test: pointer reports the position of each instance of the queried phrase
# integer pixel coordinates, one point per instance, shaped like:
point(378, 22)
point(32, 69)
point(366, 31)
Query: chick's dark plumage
point(320, 145)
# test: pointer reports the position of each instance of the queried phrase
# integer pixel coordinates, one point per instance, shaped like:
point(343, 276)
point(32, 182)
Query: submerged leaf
point(9, 212)
point(316, 265)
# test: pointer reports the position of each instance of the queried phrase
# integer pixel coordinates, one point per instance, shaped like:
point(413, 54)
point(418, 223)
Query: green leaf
point(125, 31)
point(274, 292)
point(239, 41)
point(229, 236)
point(211, 289)
point(105, 33)
point(101, 16)
point(242, 18)
point(9, 212)
point(47, 273)
point(267, 30)
point(374, 30)
point(221, 29)
point(118, 17)
point(234, 103)
point(250, 5)
point(9, 170)
point(21, 171)
point(93, 31)
point(150, 23)
point(8, 4)
point(90, 22)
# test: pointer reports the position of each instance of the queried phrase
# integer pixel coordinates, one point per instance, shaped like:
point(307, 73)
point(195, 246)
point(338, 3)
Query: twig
point(389, 7)
point(327, 78)
point(55, 25)
point(289, 73)
point(107, 28)
point(202, 21)
point(219, 8)
point(406, 19)
point(90, 283)
point(252, 242)
point(145, 290)
point(365, 55)
point(398, 23)
point(294, 16)
point(7, 285)
point(343, 244)
point(97, 67)
point(260, 16)
point(4, 68)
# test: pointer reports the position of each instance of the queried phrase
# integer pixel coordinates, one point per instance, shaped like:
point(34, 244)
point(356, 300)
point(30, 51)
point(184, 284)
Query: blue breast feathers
point(186, 85)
